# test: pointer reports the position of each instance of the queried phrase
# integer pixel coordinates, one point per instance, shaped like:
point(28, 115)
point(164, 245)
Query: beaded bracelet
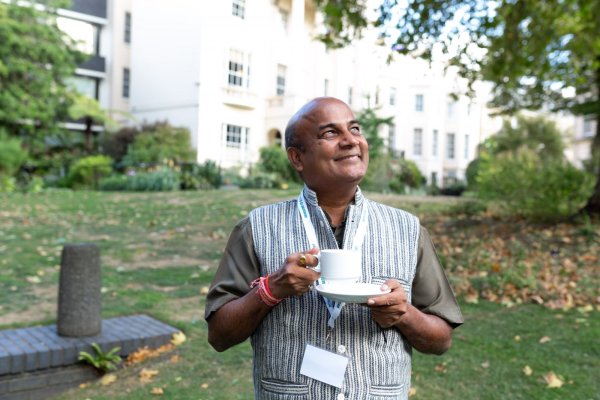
point(263, 292)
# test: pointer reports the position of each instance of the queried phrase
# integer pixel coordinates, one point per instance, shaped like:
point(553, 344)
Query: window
point(588, 127)
point(285, 16)
point(281, 72)
point(450, 146)
point(238, 8)
point(350, 95)
point(85, 85)
point(236, 136)
point(127, 27)
point(83, 33)
point(377, 95)
point(466, 147)
point(451, 109)
point(392, 96)
point(126, 82)
point(419, 103)
point(434, 147)
point(239, 68)
point(326, 87)
point(434, 180)
point(418, 142)
point(392, 136)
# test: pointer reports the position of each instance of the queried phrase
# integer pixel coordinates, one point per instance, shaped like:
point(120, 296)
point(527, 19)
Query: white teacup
point(340, 265)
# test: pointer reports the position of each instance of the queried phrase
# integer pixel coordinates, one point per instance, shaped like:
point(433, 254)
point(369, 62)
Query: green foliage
point(522, 184)
point(160, 144)
point(36, 58)
point(87, 171)
point(262, 180)
point(369, 125)
point(536, 53)
point(273, 159)
point(12, 155)
point(273, 171)
point(204, 176)
point(116, 144)
point(102, 361)
point(379, 174)
point(538, 134)
point(160, 180)
point(407, 176)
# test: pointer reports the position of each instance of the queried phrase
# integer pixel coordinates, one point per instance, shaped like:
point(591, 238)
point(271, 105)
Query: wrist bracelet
point(263, 292)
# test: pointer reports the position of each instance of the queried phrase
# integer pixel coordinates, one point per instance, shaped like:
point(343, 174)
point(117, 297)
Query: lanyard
point(334, 307)
point(359, 236)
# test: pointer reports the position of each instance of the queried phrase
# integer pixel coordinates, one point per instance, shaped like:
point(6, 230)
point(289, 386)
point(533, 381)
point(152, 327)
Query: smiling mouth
point(349, 157)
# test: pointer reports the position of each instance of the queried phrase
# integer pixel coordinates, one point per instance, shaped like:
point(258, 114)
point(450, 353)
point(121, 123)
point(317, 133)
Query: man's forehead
point(327, 111)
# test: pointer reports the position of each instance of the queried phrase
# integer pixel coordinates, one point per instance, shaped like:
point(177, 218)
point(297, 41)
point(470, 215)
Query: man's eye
point(329, 134)
point(355, 130)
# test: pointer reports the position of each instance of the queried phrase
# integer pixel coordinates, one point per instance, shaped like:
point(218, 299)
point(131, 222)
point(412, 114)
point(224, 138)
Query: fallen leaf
point(472, 297)
point(441, 367)
point(527, 370)
point(146, 375)
point(108, 379)
point(204, 386)
point(178, 338)
point(552, 380)
point(204, 290)
point(175, 358)
point(412, 391)
point(33, 279)
point(485, 364)
point(517, 338)
point(545, 339)
point(157, 391)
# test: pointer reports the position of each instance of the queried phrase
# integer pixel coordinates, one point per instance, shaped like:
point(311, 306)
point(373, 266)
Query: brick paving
point(27, 354)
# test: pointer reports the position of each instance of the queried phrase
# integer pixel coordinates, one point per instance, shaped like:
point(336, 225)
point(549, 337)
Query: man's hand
point(296, 276)
point(388, 309)
point(425, 332)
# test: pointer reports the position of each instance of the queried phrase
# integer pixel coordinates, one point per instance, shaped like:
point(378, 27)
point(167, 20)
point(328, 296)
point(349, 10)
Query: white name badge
point(324, 366)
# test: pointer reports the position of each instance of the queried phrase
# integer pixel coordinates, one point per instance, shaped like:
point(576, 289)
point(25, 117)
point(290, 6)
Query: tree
point(89, 110)
point(36, 58)
point(537, 53)
point(369, 125)
point(160, 143)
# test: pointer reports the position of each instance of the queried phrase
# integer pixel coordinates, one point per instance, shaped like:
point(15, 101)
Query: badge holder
point(322, 361)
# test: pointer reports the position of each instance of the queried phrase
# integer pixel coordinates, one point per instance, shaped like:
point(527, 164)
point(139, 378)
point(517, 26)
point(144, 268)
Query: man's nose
point(348, 139)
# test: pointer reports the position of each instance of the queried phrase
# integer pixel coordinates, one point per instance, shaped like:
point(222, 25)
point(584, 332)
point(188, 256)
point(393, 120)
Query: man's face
point(333, 150)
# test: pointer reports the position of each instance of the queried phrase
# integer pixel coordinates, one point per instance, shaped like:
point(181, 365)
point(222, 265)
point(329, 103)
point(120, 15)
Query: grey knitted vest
point(380, 360)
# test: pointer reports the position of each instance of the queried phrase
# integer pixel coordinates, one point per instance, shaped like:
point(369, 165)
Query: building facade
point(233, 72)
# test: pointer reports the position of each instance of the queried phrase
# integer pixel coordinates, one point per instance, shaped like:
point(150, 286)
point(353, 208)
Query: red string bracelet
point(263, 292)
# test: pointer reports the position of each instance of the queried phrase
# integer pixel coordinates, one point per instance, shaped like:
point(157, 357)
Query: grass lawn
point(159, 253)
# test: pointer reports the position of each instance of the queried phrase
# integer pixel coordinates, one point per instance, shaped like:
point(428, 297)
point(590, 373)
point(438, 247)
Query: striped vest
point(380, 360)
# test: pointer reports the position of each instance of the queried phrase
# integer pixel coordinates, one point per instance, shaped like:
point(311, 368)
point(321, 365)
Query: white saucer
point(350, 292)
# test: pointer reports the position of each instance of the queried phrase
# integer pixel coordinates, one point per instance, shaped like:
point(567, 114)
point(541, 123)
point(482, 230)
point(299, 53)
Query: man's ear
point(293, 154)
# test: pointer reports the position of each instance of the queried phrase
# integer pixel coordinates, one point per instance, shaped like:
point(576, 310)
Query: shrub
point(262, 180)
point(12, 155)
point(522, 184)
point(204, 176)
point(379, 174)
point(160, 143)
point(408, 176)
point(273, 159)
point(87, 171)
point(155, 181)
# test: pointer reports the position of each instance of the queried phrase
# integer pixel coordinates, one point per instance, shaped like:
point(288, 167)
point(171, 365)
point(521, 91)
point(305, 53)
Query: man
point(299, 346)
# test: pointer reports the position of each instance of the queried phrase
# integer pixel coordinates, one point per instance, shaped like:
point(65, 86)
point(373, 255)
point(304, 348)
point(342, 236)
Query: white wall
point(165, 62)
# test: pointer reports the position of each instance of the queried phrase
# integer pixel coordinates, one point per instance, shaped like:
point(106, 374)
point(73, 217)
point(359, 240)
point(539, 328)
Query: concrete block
point(79, 297)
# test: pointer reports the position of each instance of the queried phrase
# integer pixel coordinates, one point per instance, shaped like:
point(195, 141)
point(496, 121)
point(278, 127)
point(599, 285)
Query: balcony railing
point(239, 97)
